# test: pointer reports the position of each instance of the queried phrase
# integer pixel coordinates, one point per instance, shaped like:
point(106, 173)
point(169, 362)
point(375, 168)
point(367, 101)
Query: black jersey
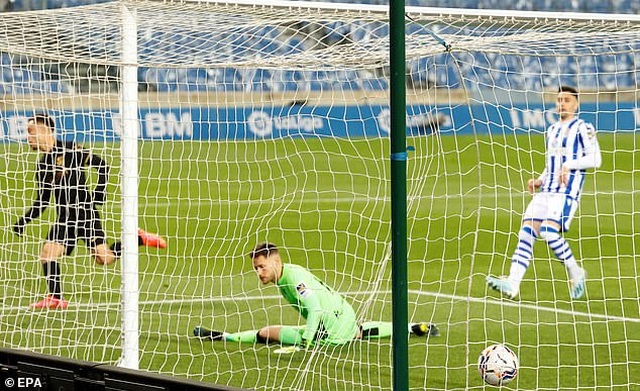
point(61, 171)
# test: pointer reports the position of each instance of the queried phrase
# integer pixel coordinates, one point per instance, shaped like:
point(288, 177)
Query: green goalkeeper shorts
point(337, 329)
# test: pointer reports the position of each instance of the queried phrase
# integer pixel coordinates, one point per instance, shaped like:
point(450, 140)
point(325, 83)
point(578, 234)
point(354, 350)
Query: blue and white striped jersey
point(572, 143)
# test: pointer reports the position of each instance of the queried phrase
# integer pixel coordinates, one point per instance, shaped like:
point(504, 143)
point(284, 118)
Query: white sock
point(516, 274)
point(575, 271)
point(522, 256)
point(562, 250)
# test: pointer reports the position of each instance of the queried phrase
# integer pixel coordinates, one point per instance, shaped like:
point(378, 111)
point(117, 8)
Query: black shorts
point(84, 225)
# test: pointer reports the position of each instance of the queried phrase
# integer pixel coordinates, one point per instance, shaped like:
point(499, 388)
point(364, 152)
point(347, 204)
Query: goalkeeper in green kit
point(330, 318)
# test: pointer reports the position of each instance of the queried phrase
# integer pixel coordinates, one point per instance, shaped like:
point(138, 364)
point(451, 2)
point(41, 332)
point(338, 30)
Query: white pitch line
point(509, 303)
point(185, 202)
point(436, 295)
point(144, 203)
point(330, 200)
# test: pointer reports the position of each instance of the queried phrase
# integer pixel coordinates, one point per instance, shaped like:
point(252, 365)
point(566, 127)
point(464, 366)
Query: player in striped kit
point(572, 148)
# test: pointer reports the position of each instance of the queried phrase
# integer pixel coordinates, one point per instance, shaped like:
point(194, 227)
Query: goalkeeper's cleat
point(213, 335)
point(576, 287)
point(151, 240)
point(50, 302)
point(502, 285)
point(422, 329)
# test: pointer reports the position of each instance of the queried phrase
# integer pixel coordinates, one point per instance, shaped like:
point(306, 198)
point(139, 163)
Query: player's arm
point(534, 184)
point(39, 205)
point(591, 156)
point(310, 301)
point(100, 191)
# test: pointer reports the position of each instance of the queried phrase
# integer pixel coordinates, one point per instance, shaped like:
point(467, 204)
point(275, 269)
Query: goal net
point(271, 123)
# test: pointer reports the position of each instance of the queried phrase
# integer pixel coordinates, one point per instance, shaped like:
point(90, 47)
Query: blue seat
point(49, 87)
point(50, 4)
point(254, 80)
point(625, 80)
point(5, 59)
point(379, 30)
point(223, 79)
point(291, 46)
point(159, 78)
point(17, 75)
point(19, 89)
point(594, 6)
point(372, 83)
point(337, 32)
point(5, 89)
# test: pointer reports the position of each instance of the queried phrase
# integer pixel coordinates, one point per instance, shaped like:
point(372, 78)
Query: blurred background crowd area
point(605, 6)
point(613, 69)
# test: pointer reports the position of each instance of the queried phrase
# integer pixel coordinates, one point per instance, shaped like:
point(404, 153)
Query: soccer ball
point(498, 365)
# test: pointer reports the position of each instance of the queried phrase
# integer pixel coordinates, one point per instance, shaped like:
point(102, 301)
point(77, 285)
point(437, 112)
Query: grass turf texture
point(324, 201)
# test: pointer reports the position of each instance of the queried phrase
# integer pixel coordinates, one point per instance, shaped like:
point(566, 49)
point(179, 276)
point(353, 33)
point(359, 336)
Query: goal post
point(398, 183)
point(254, 122)
point(129, 145)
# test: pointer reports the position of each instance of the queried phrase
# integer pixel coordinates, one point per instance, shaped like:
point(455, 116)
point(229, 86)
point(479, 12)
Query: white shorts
point(552, 206)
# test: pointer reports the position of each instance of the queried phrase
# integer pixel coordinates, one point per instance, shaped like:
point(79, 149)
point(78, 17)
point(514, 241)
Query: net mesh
point(271, 122)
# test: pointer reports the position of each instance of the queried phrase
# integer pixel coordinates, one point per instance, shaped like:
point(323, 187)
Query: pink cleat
point(50, 302)
point(151, 240)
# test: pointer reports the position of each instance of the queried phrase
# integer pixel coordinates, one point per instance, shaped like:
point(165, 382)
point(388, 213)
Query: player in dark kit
point(61, 171)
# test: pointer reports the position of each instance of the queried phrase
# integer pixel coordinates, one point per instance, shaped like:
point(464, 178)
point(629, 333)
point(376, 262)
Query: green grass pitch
point(324, 201)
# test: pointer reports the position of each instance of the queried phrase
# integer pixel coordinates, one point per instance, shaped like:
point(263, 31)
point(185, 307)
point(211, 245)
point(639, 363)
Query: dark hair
point(572, 90)
point(45, 119)
point(264, 249)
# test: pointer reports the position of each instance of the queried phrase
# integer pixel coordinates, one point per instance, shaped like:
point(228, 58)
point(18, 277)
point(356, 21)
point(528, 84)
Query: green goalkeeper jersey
point(330, 318)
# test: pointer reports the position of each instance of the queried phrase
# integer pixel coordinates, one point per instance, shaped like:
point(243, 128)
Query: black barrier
point(22, 370)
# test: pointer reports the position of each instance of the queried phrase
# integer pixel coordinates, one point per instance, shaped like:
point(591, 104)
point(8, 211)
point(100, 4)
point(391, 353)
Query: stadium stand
point(423, 73)
point(605, 6)
point(18, 79)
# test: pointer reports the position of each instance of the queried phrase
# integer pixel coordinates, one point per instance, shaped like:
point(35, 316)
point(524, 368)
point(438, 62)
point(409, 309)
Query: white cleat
point(577, 286)
point(502, 285)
